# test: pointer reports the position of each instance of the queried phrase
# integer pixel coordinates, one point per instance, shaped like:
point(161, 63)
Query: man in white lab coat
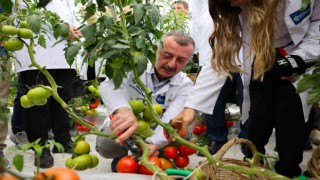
point(170, 89)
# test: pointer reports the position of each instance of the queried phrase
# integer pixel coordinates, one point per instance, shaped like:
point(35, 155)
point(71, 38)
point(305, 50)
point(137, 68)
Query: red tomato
point(94, 103)
point(144, 170)
point(171, 152)
point(127, 164)
point(93, 106)
point(204, 128)
point(197, 130)
point(185, 150)
point(182, 161)
point(229, 123)
point(82, 128)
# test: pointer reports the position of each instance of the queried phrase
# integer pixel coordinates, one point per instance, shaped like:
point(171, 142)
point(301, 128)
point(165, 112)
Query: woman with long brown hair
point(277, 38)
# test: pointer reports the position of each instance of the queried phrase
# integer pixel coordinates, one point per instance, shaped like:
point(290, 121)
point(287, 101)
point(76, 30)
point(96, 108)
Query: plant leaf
point(18, 162)
point(34, 21)
point(304, 83)
point(72, 51)
point(138, 12)
point(117, 80)
point(121, 46)
point(141, 63)
point(89, 32)
point(6, 6)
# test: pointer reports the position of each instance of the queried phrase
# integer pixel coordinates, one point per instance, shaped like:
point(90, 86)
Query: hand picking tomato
point(182, 161)
point(185, 150)
point(229, 123)
point(127, 164)
point(171, 152)
point(197, 130)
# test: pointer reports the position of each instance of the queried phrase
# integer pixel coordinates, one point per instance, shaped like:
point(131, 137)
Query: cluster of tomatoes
point(129, 164)
point(81, 158)
point(14, 43)
point(176, 157)
point(35, 96)
point(199, 129)
point(144, 118)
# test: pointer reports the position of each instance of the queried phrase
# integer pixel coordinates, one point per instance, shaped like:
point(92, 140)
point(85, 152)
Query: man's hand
point(181, 122)
point(74, 33)
point(124, 124)
point(153, 149)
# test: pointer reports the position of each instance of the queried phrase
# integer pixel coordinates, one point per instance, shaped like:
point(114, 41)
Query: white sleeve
point(196, 13)
point(204, 94)
point(158, 138)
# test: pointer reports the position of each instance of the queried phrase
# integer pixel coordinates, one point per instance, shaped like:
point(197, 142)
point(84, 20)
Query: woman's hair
point(226, 42)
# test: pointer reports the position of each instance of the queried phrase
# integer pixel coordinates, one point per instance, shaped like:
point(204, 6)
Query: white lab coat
point(50, 57)
point(305, 36)
point(202, 29)
point(171, 97)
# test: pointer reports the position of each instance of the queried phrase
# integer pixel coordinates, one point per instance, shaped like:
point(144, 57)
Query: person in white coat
point(39, 119)
point(170, 87)
point(217, 131)
point(278, 38)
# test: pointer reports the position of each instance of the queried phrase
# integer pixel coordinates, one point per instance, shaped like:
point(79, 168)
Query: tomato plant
point(127, 164)
point(171, 152)
point(182, 161)
point(185, 150)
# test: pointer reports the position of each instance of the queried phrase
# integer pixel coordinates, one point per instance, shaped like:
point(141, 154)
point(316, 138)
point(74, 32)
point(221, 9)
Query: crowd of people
point(261, 46)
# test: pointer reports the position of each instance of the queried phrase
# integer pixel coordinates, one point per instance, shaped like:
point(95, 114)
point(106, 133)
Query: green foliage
point(6, 6)
point(311, 83)
point(18, 162)
point(117, 36)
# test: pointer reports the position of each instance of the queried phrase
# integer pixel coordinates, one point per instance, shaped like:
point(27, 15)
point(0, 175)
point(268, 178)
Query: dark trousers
point(275, 104)
point(17, 121)
point(39, 119)
point(216, 127)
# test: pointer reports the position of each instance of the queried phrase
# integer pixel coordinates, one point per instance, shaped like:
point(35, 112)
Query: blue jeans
point(17, 121)
point(216, 128)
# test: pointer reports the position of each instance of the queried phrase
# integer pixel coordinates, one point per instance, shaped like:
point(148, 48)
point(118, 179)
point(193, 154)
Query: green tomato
point(142, 127)
point(25, 102)
point(13, 44)
point(9, 30)
point(38, 95)
point(137, 106)
point(24, 24)
point(95, 161)
point(82, 162)
point(147, 133)
point(68, 163)
point(84, 108)
point(25, 33)
point(92, 89)
point(82, 147)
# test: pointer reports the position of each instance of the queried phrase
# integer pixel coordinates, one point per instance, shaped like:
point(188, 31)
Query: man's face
point(179, 7)
point(172, 59)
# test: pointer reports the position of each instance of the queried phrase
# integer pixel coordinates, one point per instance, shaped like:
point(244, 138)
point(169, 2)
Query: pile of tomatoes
point(81, 158)
point(175, 157)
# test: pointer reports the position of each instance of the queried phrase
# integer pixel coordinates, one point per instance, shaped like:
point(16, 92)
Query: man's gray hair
point(185, 4)
point(183, 39)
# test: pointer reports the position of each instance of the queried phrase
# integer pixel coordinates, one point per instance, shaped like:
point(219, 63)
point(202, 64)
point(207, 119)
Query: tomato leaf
point(89, 33)
point(117, 80)
point(72, 51)
point(61, 29)
point(138, 13)
point(18, 162)
point(42, 41)
point(34, 21)
point(6, 6)
point(154, 14)
point(314, 97)
point(305, 83)
point(59, 147)
point(141, 63)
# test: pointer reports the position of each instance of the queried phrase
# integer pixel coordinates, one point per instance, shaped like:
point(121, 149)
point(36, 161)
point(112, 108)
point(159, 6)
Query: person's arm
point(117, 102)
point(202, 98)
